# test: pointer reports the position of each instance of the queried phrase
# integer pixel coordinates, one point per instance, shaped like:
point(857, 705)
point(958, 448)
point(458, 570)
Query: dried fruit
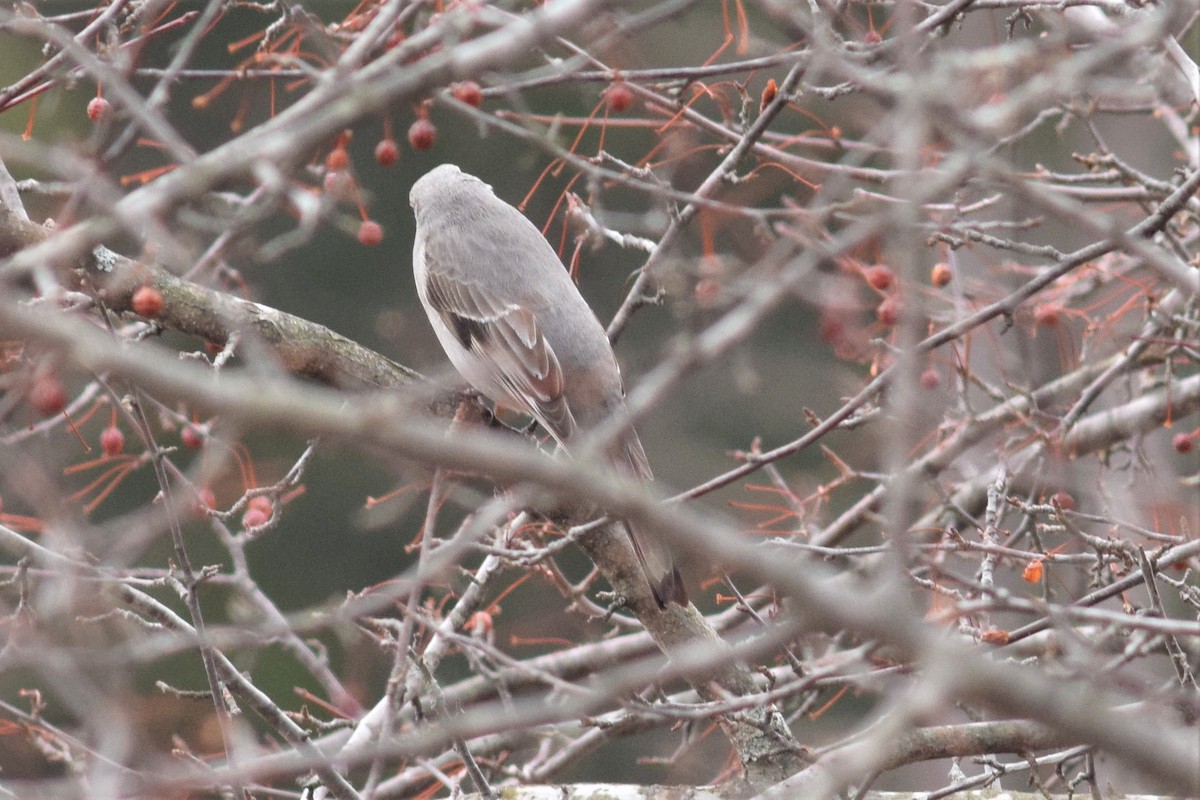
point(203, 501)
point(467, 92)
point(422, 134)
point(47, 395)
point(370, 233)
point(1064, 500)
point(337, 160)
point(112, 441)
point(888, 312)
point(98, 109)
point(192, 436)
point(939, 276)
point(879, 277)
point(1048, 315)
point(147, 302)
point(258, 512)
point(618, 97)
point(386, 152)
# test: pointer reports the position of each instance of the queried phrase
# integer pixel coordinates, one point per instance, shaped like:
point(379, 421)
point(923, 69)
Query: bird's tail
point(668, 587)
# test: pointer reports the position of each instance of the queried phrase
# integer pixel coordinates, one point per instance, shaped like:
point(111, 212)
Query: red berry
point(147, 302)
point(467, 92)
point(98, 108)
point(1182, 442)
point(931, 379)
point(47, 395)
point(337, 160)
point(370, 233)
point(1048, 315)
point(203, 501)
point(112, 441)
point(192, 436)
point(421, 134)
point(888, 312)
point(879, 277)
point(618, 97)
point(1064, 500)
point(386, 152)
point(258, 512)
point(830, 327)
point(939, 276)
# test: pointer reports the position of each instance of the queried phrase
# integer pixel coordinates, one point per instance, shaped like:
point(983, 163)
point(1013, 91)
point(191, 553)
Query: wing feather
point(508, 347)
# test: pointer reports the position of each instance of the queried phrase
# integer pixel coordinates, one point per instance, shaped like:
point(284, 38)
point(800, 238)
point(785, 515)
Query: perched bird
point(516, 327)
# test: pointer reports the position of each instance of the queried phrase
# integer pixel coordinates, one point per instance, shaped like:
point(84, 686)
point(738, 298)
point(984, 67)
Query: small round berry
point(1048, 315)
point(831, 327)
point(467, 92)
point(879, 277)
point(337, 160)
point(1182, 442)
point(370, 233)
point(192, 436)
point(203, 501)
point(939, 276)
point(1064, 500)
point(147, 302)
point(706, 292)
point(386, 152)
point(618, 97)
point(888, 312)
point(931, 379)
point(47, 395)
point(98, 108)
point(258, 512)
point(422, 134)
point(112, 441)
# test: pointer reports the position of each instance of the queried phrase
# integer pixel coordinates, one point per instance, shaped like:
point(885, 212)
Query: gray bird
point(516, 327)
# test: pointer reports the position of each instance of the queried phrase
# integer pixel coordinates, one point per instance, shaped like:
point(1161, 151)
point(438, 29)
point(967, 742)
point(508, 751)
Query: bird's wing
point(507, 344)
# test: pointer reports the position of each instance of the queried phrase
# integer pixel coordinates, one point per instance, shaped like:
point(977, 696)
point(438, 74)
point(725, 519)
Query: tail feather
point(669, 587)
